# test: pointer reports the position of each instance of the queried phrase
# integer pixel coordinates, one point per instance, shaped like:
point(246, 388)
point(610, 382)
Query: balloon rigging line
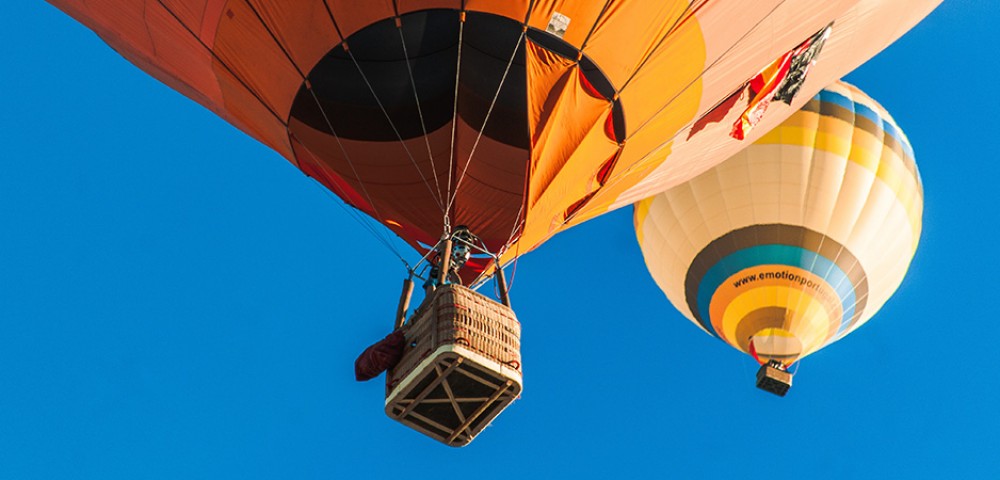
point(510, 283)
point(340, 34)
point(420, 113)
point(363, 219)
point(518, 223)
point(452, 195)
point(454, 124)
point(392, 125)
point(380, 235)
point(519, 220)
point(454, 118)
point(593, 26)
point(798, 364)
point(513, 270)
point(343, 150)
point(489, 112)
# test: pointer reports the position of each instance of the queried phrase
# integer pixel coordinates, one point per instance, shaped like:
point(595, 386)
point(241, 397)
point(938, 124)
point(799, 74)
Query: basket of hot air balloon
point(461, 365)
point(796, 241)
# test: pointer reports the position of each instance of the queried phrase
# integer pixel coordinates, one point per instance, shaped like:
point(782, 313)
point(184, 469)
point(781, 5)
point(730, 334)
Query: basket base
point(774, 380)
point(453, 394)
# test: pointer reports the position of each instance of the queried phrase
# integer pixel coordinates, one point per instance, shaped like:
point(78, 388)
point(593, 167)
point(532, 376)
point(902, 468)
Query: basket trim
point(497, 367)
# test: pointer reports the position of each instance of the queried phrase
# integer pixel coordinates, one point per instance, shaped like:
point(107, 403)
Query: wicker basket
point(460, 368)
point(774, 380)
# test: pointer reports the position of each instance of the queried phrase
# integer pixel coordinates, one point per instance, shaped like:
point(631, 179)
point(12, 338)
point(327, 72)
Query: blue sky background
point(177, 301)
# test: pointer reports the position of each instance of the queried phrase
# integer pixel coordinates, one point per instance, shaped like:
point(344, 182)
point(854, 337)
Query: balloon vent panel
point(461, 366)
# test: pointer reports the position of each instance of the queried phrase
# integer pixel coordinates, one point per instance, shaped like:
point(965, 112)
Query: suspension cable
point(420, 113)
point(479, 136)
point(454, 119)
point(343, 150)
point(363, 219)
point(393, 126)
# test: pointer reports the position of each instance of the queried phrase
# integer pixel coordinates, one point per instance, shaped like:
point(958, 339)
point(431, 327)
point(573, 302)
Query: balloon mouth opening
point(775, 345)
point(358, 94)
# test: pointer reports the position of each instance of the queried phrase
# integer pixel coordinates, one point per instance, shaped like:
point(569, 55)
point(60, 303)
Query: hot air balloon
point(796, 241)
point(515, 118)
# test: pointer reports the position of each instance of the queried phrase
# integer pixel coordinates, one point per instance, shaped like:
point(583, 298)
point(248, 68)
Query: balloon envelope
point(515, 118)
point(797, 240)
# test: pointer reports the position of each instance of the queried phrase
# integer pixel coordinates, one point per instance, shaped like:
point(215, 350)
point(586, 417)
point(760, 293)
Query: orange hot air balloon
point(516, 118)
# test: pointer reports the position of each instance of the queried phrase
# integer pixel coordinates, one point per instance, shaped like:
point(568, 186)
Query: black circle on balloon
point(367, 94)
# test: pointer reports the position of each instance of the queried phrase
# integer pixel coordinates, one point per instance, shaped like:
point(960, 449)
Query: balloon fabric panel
point(391, 111)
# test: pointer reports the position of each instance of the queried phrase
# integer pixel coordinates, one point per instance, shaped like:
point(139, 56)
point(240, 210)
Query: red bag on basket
point(379, 357)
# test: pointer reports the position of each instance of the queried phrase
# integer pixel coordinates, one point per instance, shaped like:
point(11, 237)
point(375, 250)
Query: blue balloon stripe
point(786, 255)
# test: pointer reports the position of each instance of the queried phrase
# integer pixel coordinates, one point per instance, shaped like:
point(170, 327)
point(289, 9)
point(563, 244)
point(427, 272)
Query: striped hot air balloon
point(799, 239)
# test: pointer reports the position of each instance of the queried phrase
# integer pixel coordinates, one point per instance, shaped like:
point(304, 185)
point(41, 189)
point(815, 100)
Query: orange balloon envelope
point(516, 118)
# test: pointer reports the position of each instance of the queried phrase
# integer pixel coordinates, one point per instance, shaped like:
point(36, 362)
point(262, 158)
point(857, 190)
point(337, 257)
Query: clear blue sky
point(176, 301)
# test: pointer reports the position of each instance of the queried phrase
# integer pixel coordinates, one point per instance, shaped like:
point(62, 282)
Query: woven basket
point(461, 366)
point(774, 380)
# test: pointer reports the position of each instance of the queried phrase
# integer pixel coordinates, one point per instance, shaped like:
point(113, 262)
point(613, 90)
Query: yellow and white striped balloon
point(798, 239)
